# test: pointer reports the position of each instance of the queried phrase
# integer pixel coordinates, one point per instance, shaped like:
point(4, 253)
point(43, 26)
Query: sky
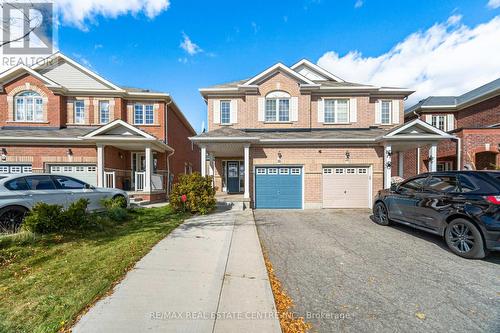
point(178, 46)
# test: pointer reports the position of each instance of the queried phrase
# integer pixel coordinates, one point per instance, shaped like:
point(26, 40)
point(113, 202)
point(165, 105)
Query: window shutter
point(395, 111)
point(450, 122)
point(428, 119)
point(261, 108)
point(378, 112)
point(234, 111)
point(321, 110)
point(216, 107)
point(353, 110)
point(294, 109)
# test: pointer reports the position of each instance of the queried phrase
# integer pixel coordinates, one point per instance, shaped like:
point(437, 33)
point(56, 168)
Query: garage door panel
point(86, 173)
point(346, 187)
point(278, 187)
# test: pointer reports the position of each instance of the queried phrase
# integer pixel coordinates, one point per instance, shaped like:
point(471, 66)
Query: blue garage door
point(278, 187)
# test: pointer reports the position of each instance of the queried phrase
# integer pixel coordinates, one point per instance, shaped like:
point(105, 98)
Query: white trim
point(39, 76)
point(431, 128)
point(316, 68)
point(115, 123)
point(275, 67)
point(56, 55)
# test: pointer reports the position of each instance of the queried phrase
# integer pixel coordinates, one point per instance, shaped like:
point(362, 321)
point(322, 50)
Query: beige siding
point(71, 77)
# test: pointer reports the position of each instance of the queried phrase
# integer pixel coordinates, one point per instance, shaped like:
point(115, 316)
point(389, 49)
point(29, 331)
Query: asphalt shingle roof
point(69, 132)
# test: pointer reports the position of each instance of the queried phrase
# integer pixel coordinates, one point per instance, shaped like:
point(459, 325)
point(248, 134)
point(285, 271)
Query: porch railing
point(109, 179)
point(140, 179)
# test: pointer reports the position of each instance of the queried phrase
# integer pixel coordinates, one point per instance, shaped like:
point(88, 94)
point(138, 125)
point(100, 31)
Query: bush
point(115, 208)
point(45, 218)
point(197, 192)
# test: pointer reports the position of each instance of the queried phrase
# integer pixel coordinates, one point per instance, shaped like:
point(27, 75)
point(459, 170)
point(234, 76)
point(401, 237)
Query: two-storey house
point(60, 117)
point(473, 118)
point(301, 137)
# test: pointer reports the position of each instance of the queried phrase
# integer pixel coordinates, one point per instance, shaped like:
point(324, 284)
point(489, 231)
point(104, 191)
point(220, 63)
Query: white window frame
point(79, 111)
point(382, 102)
point(104, 117)
point(227, 103)
point(435, 120)
point(335, 110)
point(143, 109)
point(296, 171)
point(350, 171)
point(362, 171)
point(339, 171)
point(28, 107)
point(328, 171)
point(91, 168)
point(261, 171)
point(272, 171)
point(277, 110)
point(284, 171)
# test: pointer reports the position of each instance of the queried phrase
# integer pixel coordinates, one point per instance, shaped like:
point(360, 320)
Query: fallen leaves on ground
point(289, 323)
point(420, 315)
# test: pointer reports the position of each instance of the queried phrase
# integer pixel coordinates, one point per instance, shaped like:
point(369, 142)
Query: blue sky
point(235, 40)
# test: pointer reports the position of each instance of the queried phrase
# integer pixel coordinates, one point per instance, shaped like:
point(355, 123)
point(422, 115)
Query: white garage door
point(15, 168)
point(346, 187)
point(86, 173)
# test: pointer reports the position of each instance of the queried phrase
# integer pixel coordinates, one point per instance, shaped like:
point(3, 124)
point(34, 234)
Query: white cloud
point(494, 4)
point(79, 12)
point(358, 4)
point(188, 45)
point(447, 59)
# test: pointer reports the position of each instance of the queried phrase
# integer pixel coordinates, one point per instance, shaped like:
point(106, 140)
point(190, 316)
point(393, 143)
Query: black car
point(462, 206)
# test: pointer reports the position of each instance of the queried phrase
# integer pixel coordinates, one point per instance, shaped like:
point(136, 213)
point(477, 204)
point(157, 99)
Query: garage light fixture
point(347, 155)
point(4, 154)
point(280, 156)
point(388, 165)
point(70, 152)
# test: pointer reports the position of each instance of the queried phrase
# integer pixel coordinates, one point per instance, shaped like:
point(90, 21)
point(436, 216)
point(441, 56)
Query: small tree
point(193, 193)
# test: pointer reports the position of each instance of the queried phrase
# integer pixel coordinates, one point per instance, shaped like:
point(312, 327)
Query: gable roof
point(431, 103)
point(416, 129)
point(124, 129)
point(19, 70)
point(278, 67)
point(72, 75)
point(306, 64)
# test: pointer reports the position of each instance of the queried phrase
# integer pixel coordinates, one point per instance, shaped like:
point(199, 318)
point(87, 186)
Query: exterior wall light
point(347, 155)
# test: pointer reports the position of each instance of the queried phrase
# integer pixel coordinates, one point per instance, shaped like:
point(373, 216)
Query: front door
point(233, 177)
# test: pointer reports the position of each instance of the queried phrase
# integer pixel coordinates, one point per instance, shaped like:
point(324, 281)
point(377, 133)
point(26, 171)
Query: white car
point(19, 193)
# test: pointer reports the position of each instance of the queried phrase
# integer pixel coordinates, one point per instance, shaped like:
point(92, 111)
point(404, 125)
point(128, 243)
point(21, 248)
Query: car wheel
point(464, 239)
point(11, 218)
point(380, 214)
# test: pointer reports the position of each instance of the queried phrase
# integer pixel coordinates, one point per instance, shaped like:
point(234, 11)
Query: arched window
point(277, 107)
point(28, 106)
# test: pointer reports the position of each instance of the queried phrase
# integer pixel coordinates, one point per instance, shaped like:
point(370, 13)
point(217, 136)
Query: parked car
point(461, 206)
point(19, 193)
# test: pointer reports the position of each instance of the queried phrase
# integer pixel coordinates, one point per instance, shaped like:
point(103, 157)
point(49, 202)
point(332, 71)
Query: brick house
point(301, 137)
point(60, 117)
point(473, 118)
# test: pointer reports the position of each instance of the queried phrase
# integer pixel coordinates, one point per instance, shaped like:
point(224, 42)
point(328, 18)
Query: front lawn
point(47, 281)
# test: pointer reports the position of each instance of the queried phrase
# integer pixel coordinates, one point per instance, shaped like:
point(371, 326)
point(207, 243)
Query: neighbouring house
point(301, 137)
point(60, 117)
point(473, 118)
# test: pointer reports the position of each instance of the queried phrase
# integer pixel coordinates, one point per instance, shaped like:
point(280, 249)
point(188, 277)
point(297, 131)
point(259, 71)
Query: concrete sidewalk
point(208, 275)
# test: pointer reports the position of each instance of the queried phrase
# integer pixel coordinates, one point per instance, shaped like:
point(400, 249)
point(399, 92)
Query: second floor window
point(79, 112)
point(385, 112)
point(336, 111)
point(439, 122)
point(225, 112)
point(277, 109)
point(28, 107)
point(143, 114)
point(104, 112)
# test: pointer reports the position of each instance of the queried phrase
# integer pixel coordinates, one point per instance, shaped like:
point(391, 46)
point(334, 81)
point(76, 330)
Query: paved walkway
point(208, 275)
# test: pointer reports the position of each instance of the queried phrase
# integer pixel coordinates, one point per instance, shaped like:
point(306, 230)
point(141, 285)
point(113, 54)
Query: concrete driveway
point(345, 273)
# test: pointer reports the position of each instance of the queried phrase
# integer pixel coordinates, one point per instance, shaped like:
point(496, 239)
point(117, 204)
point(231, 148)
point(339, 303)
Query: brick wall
point(185, 150)
point(307, 106)
point(480, 115)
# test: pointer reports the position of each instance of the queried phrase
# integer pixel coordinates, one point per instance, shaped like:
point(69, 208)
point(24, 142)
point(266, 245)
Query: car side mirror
point(394, 187)
point(89, 187)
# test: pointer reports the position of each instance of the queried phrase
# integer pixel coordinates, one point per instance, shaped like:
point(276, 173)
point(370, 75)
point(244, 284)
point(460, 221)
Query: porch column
point(387, 166)
point(433, 158)
point(203, 161)
point(401, 163)
point(149, 169)
point(247, 171)
point(100, 165)
point(212, 168)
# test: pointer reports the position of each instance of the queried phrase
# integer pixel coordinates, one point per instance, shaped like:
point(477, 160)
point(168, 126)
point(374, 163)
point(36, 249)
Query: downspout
point(168, 171)
point(459, 152)
point(166, 142)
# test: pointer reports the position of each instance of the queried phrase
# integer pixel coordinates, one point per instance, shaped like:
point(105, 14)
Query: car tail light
point(494, 199)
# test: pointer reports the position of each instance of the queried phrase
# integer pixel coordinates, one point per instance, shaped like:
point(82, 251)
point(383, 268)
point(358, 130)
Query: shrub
point(45, 218)
point(115, 208)
point(193, 193)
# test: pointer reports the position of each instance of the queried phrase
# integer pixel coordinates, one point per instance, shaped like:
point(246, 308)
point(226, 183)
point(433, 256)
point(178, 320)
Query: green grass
point(47, 280)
